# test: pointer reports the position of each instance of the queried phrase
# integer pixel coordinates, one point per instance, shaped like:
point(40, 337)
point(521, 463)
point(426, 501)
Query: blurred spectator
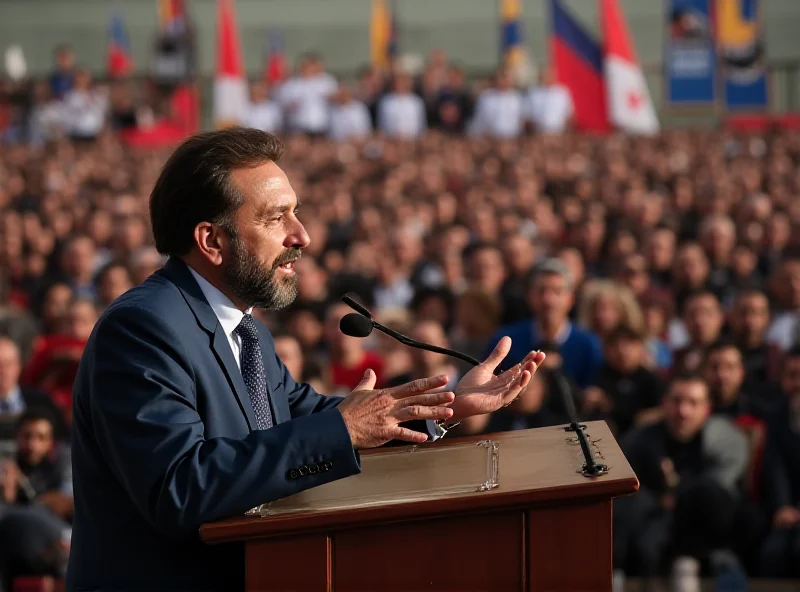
point(349, 359)
point(781, 553)
point(36, 503)
point(78, 263)
point(551, 297)
point(305, 97)
point(62, 78)
point(605, 306)
point(350, 119)
point(785, 328)
point(288, 350)
point(690, 467)
point(626, 392)
point(455, 104)
point(498, 110)
point(264, 113)
point(723, 370)
point(748, 320)
point(548, 106)
point(401, 113)
point(112, 281)
point(15, 323)
point(85, 108)
point(703, 319)
point(16, 400)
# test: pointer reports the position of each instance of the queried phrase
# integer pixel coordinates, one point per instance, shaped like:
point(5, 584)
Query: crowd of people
point(661, 276)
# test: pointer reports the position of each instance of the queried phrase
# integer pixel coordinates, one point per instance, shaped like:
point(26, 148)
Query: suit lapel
point(178, 272)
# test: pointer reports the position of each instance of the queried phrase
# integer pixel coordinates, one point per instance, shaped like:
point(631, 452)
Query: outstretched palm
point(480, 391)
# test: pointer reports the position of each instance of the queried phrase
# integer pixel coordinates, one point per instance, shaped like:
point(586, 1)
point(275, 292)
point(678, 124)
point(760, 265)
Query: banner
point(690, 60)
point(740, 45)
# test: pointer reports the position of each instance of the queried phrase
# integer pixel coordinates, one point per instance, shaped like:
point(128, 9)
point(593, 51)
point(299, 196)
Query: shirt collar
point(562, 336)
point(228, 315)
point(14, 400)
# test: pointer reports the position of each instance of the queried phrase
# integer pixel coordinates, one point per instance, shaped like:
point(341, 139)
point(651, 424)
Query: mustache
point(288, 256)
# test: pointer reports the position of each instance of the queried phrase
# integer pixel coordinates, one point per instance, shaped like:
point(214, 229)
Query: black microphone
point(361, 325)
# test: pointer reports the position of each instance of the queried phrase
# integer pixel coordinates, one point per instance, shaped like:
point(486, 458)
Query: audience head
point(790, 376)
point(10, 366)
point(703, 317)
point(686, 405)
point(290, 353)
point(550, 292)
point(723, 371)
point(34, 436)
point(624, 349)
point(749, 317)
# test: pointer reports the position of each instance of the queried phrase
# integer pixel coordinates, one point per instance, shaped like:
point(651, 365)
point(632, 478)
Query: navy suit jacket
point(165, 439)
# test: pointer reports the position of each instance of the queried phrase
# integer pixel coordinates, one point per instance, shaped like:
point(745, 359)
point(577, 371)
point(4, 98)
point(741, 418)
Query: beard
point(257, 286)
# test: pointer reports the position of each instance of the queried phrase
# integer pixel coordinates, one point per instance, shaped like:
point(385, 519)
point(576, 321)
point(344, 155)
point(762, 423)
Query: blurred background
point(614, 182)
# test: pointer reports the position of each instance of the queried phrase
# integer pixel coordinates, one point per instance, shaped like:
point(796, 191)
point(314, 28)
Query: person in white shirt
point(548, 106)
point(498, 112)
point(305, 97)
point(350, 118)
point(401, 113)
point(84, 108)
point(264, 113)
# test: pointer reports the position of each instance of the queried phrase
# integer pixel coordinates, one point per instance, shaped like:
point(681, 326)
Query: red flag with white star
point(629, 103)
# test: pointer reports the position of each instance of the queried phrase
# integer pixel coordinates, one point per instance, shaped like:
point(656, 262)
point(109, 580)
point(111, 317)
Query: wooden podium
point(497, 512)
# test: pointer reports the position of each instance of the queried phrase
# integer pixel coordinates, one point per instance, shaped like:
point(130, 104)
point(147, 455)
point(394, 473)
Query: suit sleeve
point(144, 413)
point(304, 400)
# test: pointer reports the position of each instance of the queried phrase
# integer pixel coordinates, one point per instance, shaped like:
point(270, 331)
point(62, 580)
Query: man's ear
point(210, 240)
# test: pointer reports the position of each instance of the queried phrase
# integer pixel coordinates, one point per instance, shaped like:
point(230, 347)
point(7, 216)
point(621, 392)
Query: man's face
point(686, 408)
point(487, 269)
point(625, 354)
point(10, 367)
point(268, 239)
point(724, 373)
point(790, 377)
point(691, 267)
point(551, 296)
point(34, 441)
point(703, 318)
point(751, 315)
point(428, 332)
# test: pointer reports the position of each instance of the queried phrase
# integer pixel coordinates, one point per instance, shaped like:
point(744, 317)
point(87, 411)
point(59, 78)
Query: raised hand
point(480, 391)
point(373, 417)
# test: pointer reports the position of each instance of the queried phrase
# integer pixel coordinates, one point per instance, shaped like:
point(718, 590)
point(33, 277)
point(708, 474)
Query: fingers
point(408, 435)
point(499, 352)
point(430, 399)
point(416, 387)
point(422, 412)
point(368, 382)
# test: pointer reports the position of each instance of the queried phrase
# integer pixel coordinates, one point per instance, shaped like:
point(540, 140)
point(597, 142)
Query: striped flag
point(578, 62)
point(230, 84)
point(276, 68)
point(171, 16)
point(119, 59)
point(382, 33)
point(514, 54)
point(629, 103)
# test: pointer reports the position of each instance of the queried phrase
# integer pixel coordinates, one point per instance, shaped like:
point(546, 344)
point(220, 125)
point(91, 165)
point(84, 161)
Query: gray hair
point(551, 266)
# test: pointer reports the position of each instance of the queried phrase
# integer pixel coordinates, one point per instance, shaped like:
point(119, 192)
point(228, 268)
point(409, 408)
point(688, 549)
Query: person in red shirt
point(349, 358)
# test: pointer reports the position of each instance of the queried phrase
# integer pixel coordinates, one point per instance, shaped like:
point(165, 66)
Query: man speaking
point(182, 411)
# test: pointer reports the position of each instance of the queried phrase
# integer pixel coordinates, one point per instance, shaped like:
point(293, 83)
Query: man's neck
point(212, 279)
point(550, 331)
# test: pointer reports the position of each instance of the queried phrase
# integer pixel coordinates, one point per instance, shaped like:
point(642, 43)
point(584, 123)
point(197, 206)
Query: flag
point(276, 68)
point(230, 84)
point(514, 56)
point(741, 51)
point(382, 34)
point(171, 16)
point(120, 61)
point(630, 106)
point(578, 63)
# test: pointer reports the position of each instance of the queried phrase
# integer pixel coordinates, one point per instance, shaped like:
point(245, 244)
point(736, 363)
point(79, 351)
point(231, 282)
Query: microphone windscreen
point(355, 325)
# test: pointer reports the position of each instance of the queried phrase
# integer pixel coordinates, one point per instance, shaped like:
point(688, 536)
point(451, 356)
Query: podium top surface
point(530, 467)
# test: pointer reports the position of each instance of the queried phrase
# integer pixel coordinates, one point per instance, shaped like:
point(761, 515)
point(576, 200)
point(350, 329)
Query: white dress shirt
point(306, 101)
point(265, 116)
point(498, 113)
point(549, 108)
point(350, 121)
point(402, 115)
point(228, 314)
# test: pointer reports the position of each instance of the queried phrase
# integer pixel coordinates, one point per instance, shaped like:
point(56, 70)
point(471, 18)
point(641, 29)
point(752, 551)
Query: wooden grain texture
point(288, 564)
point(536, 466)
point(570, 548)
point(478, 553)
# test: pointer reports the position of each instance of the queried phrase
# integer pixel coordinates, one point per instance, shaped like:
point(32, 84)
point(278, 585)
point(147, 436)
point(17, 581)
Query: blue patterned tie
point(253, 371)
